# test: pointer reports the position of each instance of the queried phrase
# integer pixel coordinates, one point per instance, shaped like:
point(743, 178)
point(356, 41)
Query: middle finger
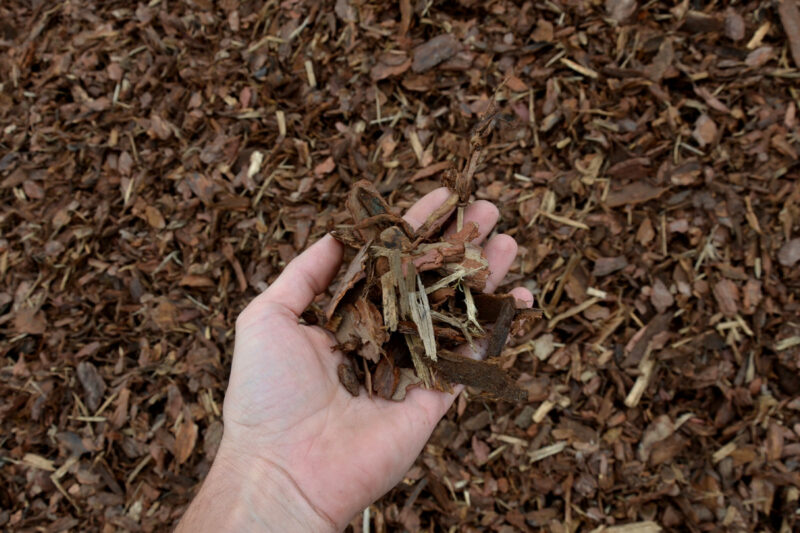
point(482, 213)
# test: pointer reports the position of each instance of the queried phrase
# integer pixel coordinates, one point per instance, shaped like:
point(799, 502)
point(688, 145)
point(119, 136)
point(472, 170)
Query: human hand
point(298, 451)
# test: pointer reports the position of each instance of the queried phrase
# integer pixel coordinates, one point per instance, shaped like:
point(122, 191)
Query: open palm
point(286, 410)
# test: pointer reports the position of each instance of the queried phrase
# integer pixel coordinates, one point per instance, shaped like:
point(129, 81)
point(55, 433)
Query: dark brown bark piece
point(435, 255)
point(661, 62)
point(482, 375)
point(368, 328)
point(349, 236)
point(93, 384)
point(490, 306)
point(390, 64)
point(705, 130)
point(604, 266)
point(30, 321)
point(522, 317)
point(657, 325)
point(698, 22)
point(661, 298)
point(348, 377)
point(734, 26)
point(395, 238)
point(633, 194)
point(433, 52)
point(185, 441)
point(468, 233)
point(501, 328)
point(631, 169)
point(726, 293)
point(405, 17)
point(354, 274)
point(790, 18)
point(789, 254)
point(363, 203)
point(385, 379)
point(620, 10)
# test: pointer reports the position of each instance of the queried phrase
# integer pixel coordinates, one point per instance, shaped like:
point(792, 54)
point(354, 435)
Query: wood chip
point(421, 314)
point(482, 375)
point(604, 266)
point(572, 312)
point(434, 51)
point(790, 18)
point(633, 194)
point(501, 327)
point(789, 253)
point(547, 451)
point(389, 295)
point(579, 68)
point(39, 462)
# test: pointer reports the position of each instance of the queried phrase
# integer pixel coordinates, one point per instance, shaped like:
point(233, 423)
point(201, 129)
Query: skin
point(299, 453)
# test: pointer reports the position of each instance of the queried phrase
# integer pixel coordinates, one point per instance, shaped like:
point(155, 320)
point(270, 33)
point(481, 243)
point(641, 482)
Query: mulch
point(161, 162)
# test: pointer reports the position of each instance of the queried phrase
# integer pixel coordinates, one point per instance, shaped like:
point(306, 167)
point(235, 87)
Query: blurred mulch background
point(161, 162)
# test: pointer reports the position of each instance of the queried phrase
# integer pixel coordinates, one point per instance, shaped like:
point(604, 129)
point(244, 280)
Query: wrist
point(243, 493)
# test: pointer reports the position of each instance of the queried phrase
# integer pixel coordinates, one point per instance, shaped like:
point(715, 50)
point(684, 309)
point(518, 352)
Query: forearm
point(255, 497)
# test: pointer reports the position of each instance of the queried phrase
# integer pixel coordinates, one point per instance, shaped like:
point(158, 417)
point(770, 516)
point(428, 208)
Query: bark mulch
point(161, 162)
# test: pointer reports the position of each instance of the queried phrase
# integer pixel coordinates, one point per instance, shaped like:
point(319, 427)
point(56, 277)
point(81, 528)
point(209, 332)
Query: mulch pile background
point(160, 163)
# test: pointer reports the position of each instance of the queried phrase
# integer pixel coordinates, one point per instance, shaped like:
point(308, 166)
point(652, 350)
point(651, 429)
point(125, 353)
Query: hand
point(299, 452)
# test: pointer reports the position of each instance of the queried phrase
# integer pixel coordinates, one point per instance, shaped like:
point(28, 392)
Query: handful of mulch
point(410, 297)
